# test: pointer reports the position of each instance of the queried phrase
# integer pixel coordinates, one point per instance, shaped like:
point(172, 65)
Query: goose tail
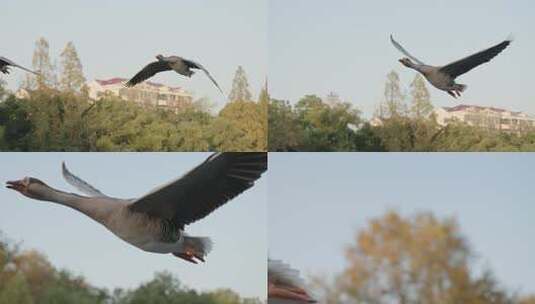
point(200, 245)
point(461, 87)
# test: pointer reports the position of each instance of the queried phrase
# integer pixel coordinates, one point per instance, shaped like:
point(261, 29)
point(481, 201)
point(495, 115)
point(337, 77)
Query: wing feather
point(196, 65)
point(210, 185)
point(466, 64)
point(11, 63)
point(404, 51)
point(148, 71)
point(79, 183)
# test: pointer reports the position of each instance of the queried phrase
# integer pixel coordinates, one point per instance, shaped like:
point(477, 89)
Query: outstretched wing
point(210, 185)
point(464, 65)
point(195, 65)
point(79, 183)
point(148, 71)
point(11, 63)
point(404, 51)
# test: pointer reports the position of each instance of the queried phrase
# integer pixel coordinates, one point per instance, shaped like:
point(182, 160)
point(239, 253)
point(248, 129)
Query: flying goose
point(172, 63)
point(6, 63)
point(155, 222)
point(443, 77)
point(285, 285)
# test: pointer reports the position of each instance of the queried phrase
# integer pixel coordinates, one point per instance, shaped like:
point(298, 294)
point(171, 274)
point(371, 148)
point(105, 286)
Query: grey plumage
point(155, 222)
point(443, 77)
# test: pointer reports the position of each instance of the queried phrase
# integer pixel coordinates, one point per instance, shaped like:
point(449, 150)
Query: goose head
point(406, 62)
point(30, 187)
point(159, 57)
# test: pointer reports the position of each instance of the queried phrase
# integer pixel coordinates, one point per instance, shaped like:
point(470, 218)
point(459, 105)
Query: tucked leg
point(185, 256)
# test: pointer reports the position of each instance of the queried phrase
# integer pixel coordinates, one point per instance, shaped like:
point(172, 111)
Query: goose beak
point(15, 185)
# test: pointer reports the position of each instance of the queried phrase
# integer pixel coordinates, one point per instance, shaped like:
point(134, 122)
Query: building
point(146, 93)
point(485, 117)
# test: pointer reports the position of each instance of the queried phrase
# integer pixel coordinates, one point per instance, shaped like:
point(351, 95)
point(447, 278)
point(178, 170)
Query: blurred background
point(405, 228)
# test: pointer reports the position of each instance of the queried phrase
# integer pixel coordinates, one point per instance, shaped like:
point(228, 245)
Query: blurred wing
point(11, 63)
point(285, 283)
point(401, 49)
point(464, 65)
point(79, 183)
point(195, 65)
point(210, 185)
point(280, 273)
point(148, 71)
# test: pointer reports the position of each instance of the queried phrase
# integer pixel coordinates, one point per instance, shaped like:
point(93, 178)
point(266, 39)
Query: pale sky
point(319, 201)
point(343, 45)
point(118, 38)
point(73, 241)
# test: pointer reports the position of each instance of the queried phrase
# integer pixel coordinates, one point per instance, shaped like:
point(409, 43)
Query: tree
point(326, 127)
point(3, 90)
point(263, 104)
point(421, 103)
point(240, 127)
point(285, 130)
point(240, 87)
point(72, 77)
point(420, 259)
point(392, 105)
point(42, 64)
point(15, 290)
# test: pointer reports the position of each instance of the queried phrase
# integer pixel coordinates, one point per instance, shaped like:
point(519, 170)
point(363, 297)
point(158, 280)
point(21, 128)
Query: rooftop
point(118, 80)
point(463, 107)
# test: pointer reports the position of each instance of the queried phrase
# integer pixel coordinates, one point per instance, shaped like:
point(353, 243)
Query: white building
point(485, 117)
point(146, 93)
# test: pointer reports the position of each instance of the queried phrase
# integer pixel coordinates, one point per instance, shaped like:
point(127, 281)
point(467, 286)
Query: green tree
point(15, 290)
point(421, 100)
point(240, 127)
point(240, 87)
point(42, 64)
point(3, 90)
point(327, 127)
point(393, 104)
point(285, 130)
point(72, 77)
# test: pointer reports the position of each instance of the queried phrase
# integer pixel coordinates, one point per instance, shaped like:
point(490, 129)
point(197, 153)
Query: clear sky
point(74, 241)
point(117, 38)
point(318, 202)
point(343, 45)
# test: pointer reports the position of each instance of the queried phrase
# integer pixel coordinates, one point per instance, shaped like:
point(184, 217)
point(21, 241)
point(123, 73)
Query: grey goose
point(443, 77)
point(5, 64)
point(285, 286)
point(172, 63)
point(156, 221)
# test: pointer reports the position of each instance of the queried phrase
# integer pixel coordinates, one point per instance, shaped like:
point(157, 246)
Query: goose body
point(443, 77)
point(285, 286)
point(178, 64)
point(156, 221)
point(5, 64)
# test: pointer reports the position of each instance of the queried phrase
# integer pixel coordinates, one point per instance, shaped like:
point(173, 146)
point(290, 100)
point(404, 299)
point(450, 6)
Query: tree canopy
point(27, 277)
point(409, 260)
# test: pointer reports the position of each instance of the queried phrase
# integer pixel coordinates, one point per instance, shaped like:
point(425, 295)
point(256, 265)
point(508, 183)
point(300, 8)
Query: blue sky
point(318, 201)
point(343, 45)
point(72, 240)
point(117, 38)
